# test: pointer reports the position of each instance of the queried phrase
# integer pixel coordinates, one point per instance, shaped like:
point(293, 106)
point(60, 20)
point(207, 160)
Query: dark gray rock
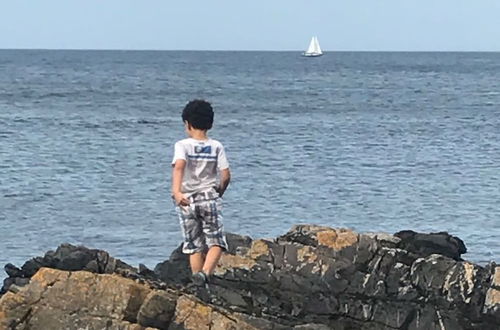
point(67, 257)
point(379, 282)
point(13, 271)
point(175, 270)
point(237, 242)
point(433, 243)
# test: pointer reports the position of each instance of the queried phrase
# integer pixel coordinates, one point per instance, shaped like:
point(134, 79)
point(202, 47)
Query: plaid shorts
point(201, 224)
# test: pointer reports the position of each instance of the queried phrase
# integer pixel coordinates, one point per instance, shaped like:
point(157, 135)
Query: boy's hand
point(225, 177)
point(180, 199)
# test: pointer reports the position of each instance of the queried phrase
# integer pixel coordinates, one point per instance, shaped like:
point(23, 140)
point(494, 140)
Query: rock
point(57, 299)
point(435, 319)
point(311, 326)
point(176, 269)
point(157, 309)
point(492, 300)
point(69, 257)
point(237, 242)
point(13, 271)
point(312, 277)
point(146, 272)
point(318, 235)
point(374, 279)
point(194, 314)
point(433, 243)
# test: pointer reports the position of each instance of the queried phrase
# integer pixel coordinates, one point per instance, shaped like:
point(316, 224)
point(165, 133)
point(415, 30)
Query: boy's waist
point(203, 195)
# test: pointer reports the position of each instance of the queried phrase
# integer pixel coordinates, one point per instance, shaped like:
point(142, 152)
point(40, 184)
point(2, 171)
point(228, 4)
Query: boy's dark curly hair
point(199, 114)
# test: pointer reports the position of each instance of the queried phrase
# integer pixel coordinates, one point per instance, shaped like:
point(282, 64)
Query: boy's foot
point(200, 279)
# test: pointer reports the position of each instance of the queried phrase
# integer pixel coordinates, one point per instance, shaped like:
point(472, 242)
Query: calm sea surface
point(369, 141)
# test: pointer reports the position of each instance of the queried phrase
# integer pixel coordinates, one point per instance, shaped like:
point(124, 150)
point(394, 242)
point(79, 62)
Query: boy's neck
point(198, 134)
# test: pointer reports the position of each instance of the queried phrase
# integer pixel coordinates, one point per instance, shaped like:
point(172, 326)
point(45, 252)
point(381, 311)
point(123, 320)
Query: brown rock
point(492, 301)
point(231, 261)
point(259, 248)
point(495, 278)
point(157, 309)
point(57, 299)
point(337, 239)
point(194, 315)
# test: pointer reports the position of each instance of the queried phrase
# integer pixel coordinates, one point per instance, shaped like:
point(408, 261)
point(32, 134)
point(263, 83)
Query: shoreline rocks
point(312, 277)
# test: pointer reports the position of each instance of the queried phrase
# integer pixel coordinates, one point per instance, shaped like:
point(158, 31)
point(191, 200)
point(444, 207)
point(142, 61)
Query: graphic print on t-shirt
point(203, 149)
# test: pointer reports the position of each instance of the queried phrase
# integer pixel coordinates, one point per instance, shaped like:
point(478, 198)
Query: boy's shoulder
point(183, 141)
point(191, 143)
point(215, 142)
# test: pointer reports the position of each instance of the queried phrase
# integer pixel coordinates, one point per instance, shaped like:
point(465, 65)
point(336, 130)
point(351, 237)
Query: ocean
point(372, 141)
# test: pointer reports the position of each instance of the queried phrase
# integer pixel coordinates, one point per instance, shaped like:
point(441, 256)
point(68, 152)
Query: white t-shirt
point(203, 158)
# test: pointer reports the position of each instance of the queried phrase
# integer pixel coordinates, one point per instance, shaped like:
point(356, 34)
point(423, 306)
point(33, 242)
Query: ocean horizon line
point(245, 50)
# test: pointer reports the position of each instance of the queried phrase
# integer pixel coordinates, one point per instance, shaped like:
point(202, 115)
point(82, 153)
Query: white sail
point(314, 48)
point(310, 50)
point(317, 48)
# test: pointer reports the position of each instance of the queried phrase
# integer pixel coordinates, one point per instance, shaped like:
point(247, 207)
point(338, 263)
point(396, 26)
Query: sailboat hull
point(311, 55)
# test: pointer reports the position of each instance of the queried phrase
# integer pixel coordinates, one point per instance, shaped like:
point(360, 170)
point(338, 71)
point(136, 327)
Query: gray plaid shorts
point(201, 224)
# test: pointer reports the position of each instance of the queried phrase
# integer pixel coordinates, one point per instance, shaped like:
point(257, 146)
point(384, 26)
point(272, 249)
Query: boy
point(196, 192)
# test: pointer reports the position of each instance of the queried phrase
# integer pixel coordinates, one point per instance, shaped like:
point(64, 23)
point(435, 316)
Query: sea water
point(368, 141)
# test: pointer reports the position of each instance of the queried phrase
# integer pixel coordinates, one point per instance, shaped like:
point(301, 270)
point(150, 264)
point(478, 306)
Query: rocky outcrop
point(310, 278)
point(56, 299)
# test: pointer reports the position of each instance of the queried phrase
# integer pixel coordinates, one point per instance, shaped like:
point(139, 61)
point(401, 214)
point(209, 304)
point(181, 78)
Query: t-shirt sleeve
point(179, 152)
point(222, 162)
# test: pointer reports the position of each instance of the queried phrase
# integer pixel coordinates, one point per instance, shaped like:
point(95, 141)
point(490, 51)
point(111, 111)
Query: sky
point(342, 25)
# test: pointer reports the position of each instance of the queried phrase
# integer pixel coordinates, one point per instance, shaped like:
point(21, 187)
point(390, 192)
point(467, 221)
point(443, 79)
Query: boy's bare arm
point(225, 177)
point(177, 175)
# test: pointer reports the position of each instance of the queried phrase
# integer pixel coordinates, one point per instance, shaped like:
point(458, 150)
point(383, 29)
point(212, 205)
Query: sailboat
point(314, 50)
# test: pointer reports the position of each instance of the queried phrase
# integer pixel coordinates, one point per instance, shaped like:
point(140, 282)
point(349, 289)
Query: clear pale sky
point(439, 25)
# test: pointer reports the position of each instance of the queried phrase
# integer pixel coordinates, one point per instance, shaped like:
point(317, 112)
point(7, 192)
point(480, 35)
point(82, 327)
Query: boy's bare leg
point(196, 260)
point(213, 256)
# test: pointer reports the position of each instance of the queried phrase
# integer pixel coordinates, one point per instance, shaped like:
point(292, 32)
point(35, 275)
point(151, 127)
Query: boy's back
point(203, 159)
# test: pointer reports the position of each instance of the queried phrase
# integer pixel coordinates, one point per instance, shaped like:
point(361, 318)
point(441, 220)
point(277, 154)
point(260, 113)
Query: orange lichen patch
point(495, 279)
point(10, 307)
point(306, 253)
point(469, 274)
point(492, 298)
point(327, 237)
point(48, 276)
point(230, 261)
point(337, 239)
point(9, 300)
point(191, 314)
point(307, 256)
point(194, 315)
point(14, 306)
point(258, 248)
